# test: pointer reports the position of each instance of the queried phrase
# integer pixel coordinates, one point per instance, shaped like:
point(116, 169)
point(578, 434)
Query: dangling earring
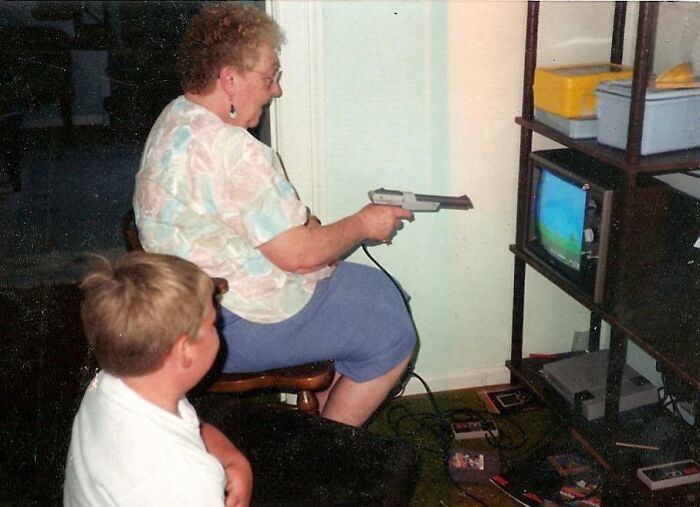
point(232, 109)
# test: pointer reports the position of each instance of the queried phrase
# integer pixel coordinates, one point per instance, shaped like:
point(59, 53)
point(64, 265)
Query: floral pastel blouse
point(212, 193)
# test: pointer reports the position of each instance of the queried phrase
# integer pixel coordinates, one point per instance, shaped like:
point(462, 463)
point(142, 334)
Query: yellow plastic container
point(569, 91)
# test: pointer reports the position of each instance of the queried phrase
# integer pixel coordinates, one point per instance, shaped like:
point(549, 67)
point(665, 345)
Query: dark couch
point(297, 459)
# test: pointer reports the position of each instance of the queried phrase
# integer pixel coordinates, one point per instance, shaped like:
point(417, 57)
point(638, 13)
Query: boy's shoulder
point(110, 399)
point(122, 440)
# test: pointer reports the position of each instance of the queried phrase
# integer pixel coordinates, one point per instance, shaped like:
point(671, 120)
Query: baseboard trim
point(448, 382)
point(458, 380)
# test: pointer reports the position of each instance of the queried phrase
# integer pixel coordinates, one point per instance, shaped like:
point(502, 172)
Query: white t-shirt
point(127, 451)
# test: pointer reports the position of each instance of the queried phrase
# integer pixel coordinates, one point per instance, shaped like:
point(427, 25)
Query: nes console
point(581, 380)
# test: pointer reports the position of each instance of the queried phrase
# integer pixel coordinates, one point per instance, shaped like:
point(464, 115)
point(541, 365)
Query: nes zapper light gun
point(418, 202)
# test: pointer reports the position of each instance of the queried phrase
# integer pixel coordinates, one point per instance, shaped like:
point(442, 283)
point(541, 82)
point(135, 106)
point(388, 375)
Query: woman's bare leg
point(322, 396)
point(353, 402)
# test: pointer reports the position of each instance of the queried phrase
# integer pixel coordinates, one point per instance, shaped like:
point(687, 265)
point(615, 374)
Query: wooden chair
point(303, 380)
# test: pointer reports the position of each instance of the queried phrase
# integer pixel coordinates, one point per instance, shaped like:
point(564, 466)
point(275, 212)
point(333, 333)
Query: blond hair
point(220, 35)
point(135, 308)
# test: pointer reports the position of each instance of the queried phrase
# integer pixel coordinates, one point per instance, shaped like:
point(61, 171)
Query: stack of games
point(565, 478)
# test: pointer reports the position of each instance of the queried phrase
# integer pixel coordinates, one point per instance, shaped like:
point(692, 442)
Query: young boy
point(136, 439)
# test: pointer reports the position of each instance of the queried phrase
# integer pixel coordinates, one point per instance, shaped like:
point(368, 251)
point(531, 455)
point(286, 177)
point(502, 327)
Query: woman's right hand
point(381, 222)
point(312, 246)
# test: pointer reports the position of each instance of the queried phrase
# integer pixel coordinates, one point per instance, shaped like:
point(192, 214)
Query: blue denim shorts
point(356, 317)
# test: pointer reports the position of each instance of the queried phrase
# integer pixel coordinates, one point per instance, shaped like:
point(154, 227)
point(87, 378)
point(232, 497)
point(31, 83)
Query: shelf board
point(649, 164)
point(667, 330)
point(656, 310)
point(559, 281)
point(652, 426)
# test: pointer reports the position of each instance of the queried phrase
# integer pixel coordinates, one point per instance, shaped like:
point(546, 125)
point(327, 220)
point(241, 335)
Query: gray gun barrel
point(461, 202)
point(419, 202)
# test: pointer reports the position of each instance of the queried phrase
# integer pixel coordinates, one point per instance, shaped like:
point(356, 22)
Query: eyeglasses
point(272, 79)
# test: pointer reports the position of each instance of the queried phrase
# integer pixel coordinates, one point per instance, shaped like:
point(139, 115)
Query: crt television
point(569, 218)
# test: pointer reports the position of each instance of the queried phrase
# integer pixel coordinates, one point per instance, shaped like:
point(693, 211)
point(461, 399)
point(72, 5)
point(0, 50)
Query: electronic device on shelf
point(569, 218)
point(582, 380)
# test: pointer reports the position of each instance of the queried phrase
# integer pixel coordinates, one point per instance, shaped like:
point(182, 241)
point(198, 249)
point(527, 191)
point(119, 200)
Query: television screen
point(559, 218)
point(568, 218)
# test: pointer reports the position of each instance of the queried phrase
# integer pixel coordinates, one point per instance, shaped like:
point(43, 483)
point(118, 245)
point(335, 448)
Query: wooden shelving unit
point(653, 303)
point(650, 164)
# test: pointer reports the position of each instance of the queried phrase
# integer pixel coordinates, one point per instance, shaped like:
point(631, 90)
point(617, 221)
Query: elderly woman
point(210, 192)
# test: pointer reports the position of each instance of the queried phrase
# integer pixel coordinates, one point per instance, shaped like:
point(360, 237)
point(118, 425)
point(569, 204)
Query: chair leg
point(307, 402)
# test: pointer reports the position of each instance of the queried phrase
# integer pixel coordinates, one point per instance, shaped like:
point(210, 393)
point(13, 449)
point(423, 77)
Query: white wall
point(422, 96)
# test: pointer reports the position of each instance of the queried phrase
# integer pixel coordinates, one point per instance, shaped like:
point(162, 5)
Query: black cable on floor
point(445, 437)
point(436, 424)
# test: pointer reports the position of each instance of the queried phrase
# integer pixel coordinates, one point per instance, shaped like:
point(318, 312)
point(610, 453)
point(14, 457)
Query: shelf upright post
point(618, 34)
point(616, 47)
point(616, 364)
point(516, 351)
point(594, 327)
point(528, 109)
point(643, 64)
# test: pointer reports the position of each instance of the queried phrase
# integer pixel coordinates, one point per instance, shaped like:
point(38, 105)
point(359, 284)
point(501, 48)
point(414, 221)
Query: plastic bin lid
point(624, 89)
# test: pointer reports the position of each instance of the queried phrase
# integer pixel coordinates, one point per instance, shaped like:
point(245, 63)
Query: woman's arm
point(239, 474)
point(312, 246)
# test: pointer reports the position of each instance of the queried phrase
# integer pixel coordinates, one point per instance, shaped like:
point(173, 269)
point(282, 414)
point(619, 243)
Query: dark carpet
point(521, 436)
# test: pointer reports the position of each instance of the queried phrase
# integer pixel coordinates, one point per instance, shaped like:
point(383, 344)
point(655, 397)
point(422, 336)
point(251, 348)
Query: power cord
point(400, 386)
point(404, 298)
point(443, 432)
point(404, 422)
point(675, 393)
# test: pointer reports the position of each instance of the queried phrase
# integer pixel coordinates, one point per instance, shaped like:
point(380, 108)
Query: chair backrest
point(133, 242)
point(131, 233)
